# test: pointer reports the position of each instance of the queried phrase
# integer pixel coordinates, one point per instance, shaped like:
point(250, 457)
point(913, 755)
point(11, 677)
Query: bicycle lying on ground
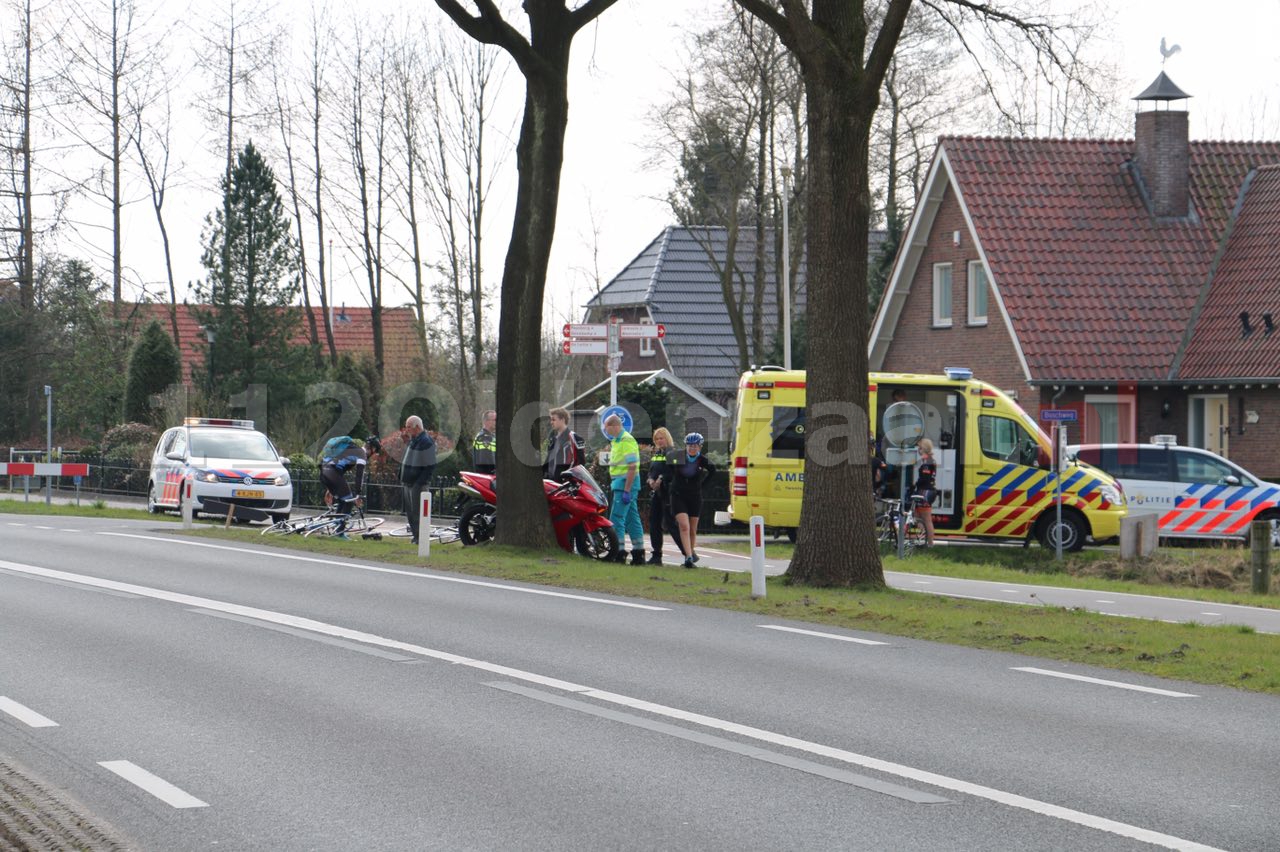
point(889, 516)
point(327, 523)
point(439, 535)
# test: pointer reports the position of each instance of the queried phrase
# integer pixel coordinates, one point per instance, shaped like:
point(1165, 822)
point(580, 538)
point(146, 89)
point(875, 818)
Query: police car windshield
point(240, 444)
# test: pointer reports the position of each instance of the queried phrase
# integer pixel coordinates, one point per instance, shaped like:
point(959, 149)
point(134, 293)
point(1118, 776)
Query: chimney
point(1163, 151)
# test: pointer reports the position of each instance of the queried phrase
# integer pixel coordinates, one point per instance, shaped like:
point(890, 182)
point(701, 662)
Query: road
point(200, 694)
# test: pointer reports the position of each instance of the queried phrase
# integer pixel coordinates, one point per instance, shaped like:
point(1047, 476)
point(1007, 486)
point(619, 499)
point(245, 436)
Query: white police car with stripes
point(1194, 493)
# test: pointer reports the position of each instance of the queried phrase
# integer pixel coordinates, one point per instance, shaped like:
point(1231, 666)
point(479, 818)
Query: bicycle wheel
point(288, 527)
point(914, 537)
point(321, 528)
point(887, 533)
point(401, 532)
point(363, 524)
point(444, 535)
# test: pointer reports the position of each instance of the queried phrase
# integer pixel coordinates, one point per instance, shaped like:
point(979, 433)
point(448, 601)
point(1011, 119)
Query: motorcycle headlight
point(282, 479)
point(1112, 495)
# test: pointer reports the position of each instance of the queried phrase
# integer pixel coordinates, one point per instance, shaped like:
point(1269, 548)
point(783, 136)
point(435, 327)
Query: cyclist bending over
point(338, 456)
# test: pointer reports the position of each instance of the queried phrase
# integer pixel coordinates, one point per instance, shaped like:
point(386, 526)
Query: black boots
point(655, 558)
point(637, 556)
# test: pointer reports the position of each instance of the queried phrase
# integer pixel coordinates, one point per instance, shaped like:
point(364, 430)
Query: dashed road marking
point(25, 714)
point(153, 784)
point(821, 635)
point(1117, 684)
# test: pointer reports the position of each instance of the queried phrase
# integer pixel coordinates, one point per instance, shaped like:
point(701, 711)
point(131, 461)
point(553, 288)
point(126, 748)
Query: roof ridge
point(657, 264)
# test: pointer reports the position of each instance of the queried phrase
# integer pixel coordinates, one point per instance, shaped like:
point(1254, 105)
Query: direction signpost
point(1059, 417)
point(598, 338)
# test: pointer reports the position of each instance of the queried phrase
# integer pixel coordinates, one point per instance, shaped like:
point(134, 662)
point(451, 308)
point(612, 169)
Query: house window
point(977, 293)
point(1108, 419)
point(647, 348)
point(942, 295)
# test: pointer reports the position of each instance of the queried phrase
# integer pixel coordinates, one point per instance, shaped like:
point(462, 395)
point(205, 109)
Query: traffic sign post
point(1059, 417)
point(584, 347)
point(903, 427)
point(598, 338)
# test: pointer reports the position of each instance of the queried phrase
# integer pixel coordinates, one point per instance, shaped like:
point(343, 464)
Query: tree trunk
point(116, 266)
point(836, 544)
point(539, 157)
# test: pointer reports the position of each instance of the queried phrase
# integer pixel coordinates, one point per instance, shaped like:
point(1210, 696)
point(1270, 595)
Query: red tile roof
point(1247, 280)
point(1096, 289)
point(352, 333)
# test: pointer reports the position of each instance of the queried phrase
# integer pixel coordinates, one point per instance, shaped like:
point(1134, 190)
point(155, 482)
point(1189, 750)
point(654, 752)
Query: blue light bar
point(958, 374)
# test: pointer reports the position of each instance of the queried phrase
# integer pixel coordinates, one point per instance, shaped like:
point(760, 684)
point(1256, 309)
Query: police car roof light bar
point(217, 421)
point(1165, 440)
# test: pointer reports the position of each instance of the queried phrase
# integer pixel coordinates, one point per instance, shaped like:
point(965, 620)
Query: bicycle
point(356, 523)
point(438, 535)
point(890, 518)
point(291, 526)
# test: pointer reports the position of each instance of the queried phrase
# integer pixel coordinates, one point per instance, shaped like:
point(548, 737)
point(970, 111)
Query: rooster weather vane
point(1166, 52)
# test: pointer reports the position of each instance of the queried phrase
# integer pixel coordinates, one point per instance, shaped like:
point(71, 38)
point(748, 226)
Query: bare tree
point(153, 145)
point(317, 60)
point(844, 53)
point(409, 78)
point(543, 60)
point(18, 241)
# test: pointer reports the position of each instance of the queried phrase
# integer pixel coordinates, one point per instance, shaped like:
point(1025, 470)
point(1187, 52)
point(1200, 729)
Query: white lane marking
point(724, 553)
point(153, 784)
point(1101, 682)
point(922, 582)
point(1212, 613)
point(25, 714)
point(295, 557)
point(1102, 601)
point(16, 525)
point(64, 529)
point(821, 635)
point(1011, 591)
point(924, 776)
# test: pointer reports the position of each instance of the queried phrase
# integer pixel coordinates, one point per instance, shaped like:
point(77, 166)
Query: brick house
point(352, 334)
point(1132, 280)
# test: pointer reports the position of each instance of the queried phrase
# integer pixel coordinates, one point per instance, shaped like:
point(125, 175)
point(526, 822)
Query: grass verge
point(1211, 574)
point(1219, 655)
point(85, 510)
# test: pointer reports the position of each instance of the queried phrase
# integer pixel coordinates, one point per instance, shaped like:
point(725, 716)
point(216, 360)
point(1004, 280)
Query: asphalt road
point(205, 694)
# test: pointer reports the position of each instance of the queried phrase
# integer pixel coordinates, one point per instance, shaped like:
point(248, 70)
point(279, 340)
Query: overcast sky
point(623, 67)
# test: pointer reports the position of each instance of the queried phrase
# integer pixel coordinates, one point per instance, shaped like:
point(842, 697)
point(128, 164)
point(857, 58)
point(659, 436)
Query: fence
point(110, 477)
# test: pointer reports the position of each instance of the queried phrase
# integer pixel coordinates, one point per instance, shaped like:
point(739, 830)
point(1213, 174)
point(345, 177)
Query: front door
point(1210, 424)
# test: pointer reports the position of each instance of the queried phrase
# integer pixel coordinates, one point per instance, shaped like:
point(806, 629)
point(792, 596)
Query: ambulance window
point(1006, 440)
point(1193, 467)
point(787, 433)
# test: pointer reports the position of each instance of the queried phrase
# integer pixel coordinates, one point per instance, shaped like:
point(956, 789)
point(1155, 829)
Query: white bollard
point(424, 526)
point(757, 556)
point(187, 513)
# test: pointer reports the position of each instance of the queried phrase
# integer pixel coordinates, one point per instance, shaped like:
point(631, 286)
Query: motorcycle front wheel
point(477, 524)
point(601, 543)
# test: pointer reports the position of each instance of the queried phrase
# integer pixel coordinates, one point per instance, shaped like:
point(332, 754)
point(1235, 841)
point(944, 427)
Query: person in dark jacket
point(484, 447)
point(564, 448)
point(659, 508)
point(683, 485)
point(416, 468)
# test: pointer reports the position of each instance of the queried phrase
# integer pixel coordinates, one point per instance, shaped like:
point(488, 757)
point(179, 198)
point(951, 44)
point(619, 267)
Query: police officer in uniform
point(659, 508)
point(484, 447)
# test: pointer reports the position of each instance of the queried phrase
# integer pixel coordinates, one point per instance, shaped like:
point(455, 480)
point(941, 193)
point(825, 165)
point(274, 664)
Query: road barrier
point(49, 470)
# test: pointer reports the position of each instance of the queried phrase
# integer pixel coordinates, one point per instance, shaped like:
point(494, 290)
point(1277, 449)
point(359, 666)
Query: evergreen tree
point(253, 280)
point(881, 266)
point(153, 366)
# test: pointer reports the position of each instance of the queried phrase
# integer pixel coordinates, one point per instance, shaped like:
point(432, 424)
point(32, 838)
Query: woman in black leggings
point(684, 486)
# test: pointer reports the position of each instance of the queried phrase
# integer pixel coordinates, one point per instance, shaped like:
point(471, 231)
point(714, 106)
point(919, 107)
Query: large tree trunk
point(539, 157)
point(836, 544)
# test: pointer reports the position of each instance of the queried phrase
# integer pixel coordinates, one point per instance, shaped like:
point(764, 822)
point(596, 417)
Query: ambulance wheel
point(1072, 531)
point(152, 506)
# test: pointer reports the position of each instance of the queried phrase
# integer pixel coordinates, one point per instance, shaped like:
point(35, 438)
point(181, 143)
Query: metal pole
point(48, 434)
point(904, 504)
point(1057, 485)
point(786, 268)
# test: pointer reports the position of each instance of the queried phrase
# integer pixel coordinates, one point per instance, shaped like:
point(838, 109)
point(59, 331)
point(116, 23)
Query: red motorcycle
point(577, 507)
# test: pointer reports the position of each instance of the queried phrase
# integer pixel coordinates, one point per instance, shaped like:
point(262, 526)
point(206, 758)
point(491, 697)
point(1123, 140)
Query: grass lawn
point(1214, 574)
point(85, 510)
point(1229, 656)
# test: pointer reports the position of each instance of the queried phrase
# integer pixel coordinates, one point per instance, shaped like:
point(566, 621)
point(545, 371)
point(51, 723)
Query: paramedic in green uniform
point(624, 473)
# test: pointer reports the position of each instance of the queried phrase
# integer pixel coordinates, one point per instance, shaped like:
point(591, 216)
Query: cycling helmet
point(373, 444)
point(693, 438)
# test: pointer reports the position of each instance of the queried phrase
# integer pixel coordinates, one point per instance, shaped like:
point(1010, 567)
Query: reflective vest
point(625, 452)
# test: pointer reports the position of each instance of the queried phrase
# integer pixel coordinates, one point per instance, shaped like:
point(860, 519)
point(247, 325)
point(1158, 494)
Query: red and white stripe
point(42, 469)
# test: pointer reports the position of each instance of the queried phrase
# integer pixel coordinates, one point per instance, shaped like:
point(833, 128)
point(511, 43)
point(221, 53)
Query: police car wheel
point(152, 506)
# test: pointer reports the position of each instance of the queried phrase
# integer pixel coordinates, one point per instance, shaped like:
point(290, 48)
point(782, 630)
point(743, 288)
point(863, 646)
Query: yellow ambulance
point(994, 475)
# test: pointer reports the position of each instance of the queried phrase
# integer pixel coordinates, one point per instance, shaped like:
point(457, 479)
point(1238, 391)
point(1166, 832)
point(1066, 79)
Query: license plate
point(240, 492)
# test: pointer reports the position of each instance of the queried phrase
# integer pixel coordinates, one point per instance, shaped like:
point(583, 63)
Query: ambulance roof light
point(1165, 440)
point(958, 374)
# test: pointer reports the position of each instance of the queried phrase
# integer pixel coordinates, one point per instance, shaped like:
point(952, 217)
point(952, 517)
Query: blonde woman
point(926, 487)
point(659, 508)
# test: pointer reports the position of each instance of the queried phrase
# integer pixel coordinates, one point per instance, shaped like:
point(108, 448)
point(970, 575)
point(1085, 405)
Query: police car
point(227, 460)
point(1195, 493)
